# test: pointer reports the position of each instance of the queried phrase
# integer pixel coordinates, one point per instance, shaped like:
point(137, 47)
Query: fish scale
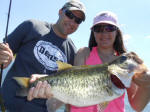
point(85, 87)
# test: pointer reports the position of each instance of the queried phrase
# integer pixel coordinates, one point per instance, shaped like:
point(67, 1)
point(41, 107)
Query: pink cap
point(106, 17)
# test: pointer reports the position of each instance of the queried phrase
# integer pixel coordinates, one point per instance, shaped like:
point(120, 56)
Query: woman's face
point(105, 35)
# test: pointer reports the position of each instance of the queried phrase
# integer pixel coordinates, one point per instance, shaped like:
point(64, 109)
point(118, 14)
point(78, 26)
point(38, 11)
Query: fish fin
point(53, 104)
point(62, 66)
point(89, 66)
point(103, 105)
point(22, 81)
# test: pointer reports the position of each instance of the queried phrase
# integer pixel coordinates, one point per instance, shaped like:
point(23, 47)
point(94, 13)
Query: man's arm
point(139, 92)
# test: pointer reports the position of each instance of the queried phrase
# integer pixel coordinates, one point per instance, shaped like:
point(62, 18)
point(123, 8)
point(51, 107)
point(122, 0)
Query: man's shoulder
point(36, 22)
point(38, 25)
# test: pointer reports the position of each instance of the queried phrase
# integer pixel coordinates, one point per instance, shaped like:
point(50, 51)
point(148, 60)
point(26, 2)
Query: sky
point(133, 16)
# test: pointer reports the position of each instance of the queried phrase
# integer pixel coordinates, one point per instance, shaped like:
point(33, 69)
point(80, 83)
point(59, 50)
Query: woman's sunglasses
point(102, 28)
point(70, 15)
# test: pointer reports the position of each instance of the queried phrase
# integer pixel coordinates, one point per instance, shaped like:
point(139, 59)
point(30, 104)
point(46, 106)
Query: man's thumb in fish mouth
point(142, 79)
point(141, 69)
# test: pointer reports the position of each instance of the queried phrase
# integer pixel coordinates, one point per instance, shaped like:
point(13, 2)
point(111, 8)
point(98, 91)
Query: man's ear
point(60, 11)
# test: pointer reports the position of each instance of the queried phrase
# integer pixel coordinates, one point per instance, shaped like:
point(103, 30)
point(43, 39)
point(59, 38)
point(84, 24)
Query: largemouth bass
point(89, 84)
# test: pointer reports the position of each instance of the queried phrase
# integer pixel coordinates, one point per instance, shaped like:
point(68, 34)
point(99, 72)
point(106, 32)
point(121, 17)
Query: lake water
point(127, 105)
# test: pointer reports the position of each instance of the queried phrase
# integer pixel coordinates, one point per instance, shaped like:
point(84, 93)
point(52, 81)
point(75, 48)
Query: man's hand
point(6, 55)
point(142, 79)
point(42, 89)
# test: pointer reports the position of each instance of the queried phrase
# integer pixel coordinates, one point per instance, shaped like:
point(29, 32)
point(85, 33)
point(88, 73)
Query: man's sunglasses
point(102, 28)
point(70, 15)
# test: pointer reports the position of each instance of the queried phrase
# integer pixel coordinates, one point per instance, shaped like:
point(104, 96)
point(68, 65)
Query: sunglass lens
point(97, 28)
point(78, 20)
point(110, 28)
point(69, 14)
point(102, 28)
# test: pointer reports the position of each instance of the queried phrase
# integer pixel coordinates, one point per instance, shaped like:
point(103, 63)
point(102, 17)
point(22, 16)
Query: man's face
point(69, 21)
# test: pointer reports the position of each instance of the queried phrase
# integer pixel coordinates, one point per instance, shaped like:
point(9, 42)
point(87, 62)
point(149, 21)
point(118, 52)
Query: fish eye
point(123, 58)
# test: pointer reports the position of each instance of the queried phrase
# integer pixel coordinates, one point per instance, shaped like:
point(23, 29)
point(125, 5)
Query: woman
point(105, 43)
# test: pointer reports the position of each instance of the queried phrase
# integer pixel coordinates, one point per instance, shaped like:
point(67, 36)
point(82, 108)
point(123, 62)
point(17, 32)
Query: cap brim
point(107, 22)
point(77, 9)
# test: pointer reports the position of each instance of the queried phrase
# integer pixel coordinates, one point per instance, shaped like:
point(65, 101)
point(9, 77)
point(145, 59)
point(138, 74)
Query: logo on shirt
point(47, 54)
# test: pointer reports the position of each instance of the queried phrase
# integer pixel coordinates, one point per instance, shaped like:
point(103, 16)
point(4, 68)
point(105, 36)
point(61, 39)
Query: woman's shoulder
point(81, 56)
point(84, 50)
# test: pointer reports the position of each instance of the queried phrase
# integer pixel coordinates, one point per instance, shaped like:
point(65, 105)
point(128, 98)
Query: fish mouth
point(117, 82)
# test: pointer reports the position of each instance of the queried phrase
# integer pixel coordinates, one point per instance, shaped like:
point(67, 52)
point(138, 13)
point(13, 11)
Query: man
point(38, 45)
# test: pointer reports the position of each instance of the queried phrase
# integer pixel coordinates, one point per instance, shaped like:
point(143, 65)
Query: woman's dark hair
point(118, 44)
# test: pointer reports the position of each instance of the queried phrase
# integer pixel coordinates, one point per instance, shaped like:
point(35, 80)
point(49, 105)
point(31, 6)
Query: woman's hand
point(6, 55)
point(42, 89)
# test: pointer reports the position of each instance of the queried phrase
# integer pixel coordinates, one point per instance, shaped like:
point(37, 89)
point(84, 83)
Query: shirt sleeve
point(17, 36)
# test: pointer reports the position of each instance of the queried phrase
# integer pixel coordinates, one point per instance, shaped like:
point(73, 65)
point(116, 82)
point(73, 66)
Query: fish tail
point(24, 83)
